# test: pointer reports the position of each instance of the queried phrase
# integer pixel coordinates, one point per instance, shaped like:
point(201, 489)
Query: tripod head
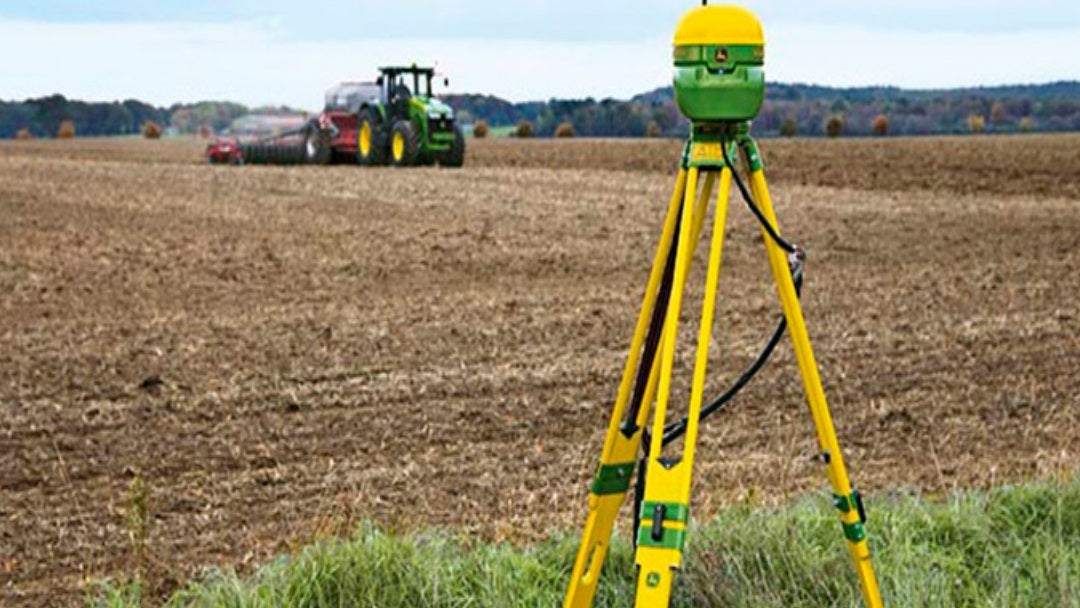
point(719, 58)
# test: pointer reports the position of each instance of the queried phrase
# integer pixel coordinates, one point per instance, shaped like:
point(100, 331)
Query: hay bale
point(24, 134)
point(565, 129)
point(881, 125)
point(834, 127)
point(524, 129)
point(151, 130)
point(66, 130)
point(789, 127)
point(480, 129)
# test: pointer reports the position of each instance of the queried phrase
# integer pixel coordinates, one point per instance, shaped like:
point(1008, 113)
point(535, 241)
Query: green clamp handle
point(851, 502)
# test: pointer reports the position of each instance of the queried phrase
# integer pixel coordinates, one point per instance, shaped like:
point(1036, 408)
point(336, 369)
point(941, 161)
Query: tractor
point(395, 120)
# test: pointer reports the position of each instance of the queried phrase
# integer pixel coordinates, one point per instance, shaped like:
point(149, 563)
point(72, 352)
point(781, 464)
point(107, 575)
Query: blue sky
point(273, 51)
point(552, 19)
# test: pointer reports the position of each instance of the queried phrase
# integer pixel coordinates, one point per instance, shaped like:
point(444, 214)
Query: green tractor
point(405, 125)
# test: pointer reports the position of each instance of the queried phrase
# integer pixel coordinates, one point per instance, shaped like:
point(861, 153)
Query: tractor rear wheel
point(455, 156)
point(370, 139)
point(317, 149)
point(404, 144)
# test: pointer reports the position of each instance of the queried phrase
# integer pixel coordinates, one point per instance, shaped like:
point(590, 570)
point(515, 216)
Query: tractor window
point(348, 96)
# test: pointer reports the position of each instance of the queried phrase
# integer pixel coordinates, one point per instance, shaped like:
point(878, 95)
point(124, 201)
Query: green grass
point(1010, 547)
point(502, 131)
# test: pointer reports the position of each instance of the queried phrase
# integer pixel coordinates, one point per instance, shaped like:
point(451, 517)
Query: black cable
point(639, 491)
point(749, 199)
point(656, 327)
point(675, 430)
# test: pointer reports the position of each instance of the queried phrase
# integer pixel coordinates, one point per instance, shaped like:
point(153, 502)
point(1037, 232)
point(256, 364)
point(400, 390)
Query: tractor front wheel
point(404, 144)
point(371, 140)
point(455, 156)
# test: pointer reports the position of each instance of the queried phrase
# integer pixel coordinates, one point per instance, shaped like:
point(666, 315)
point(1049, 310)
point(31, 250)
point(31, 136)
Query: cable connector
point(799, 254)
point(797, 259)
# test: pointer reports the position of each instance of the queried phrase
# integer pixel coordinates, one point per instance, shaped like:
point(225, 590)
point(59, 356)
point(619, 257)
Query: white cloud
point(255, 62)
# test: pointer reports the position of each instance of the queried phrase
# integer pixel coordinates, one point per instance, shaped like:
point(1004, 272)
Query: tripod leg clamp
point(853, 531)
point(655, 534)
point(613, 478)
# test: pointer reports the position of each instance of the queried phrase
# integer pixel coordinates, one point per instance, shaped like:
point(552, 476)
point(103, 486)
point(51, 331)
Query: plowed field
point(279, 353)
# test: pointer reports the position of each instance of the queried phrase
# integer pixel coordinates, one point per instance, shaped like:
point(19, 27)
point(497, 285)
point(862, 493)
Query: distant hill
point(789, 109)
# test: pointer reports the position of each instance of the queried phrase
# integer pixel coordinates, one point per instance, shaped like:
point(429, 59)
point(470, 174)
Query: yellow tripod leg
point(665, 510)
point(846, 501)
point(620, 451)
point(699, 220)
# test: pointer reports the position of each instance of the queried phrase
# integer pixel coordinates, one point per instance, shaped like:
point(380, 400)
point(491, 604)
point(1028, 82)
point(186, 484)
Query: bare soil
point(279, 353)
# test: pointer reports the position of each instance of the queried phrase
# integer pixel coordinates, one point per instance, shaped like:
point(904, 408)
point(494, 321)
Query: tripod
point(663, 513)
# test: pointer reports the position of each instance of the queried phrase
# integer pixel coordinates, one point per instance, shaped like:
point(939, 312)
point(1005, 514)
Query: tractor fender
point(379, 110)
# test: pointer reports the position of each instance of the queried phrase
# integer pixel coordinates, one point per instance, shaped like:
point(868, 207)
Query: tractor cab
point(402, 82)
point(403, 89)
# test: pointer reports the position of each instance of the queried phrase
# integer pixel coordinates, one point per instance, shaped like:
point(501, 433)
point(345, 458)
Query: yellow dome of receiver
point(719, 24)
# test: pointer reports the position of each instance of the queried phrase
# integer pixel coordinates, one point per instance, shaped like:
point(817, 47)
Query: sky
point(276, 52)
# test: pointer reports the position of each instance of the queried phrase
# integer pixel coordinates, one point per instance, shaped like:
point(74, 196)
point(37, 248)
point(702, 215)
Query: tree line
point(789, 109)
point(807, 110)
point(42, 117)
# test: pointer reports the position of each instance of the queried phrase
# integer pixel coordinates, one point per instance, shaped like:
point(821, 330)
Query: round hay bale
point(151, 130)
point(66, 130)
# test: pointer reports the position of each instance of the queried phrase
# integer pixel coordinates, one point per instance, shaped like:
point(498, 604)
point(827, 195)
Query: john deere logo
point(653, 579)
point(721, 55)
